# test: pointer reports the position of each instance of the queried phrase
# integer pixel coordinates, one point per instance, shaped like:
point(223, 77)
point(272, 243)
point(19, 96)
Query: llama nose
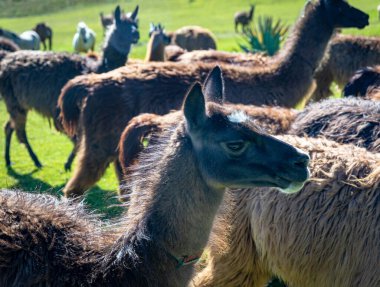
point(301, 161)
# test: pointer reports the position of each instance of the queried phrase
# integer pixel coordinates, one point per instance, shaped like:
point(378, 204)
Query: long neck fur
point(111, 59)
point(155, 50)
point(171, 214)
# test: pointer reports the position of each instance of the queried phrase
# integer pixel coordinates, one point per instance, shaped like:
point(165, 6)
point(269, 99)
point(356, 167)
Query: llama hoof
point(67, 167)
point(38, 165)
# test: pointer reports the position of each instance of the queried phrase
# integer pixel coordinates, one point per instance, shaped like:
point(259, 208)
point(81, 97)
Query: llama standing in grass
point(244, 18)
point(102, 105)
point(193, 38)
point(28, 40)
point(345, 55)
point(365, 83)
point(45, 33)
point(84, 39)
point(176, 197)
point(35, 79)
point(325, 235)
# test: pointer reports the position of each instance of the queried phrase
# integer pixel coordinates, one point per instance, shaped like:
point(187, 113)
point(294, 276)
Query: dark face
point(342, 15)
point(125, 33)
point(234, 153)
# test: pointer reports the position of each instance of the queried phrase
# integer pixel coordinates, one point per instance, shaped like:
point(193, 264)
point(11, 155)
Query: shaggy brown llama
point(102, 105)
point(244, 18)
point(325, 235)
point(47, 242)
point(193, 38)
point(365, 83)
point(45, 33)
point(345, 55)
point(33, 80)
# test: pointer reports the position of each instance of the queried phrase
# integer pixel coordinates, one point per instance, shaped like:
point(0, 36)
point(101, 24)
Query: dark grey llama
point(33, 80)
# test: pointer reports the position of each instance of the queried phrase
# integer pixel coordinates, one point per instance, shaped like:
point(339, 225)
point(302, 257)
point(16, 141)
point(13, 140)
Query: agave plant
point(266, 36)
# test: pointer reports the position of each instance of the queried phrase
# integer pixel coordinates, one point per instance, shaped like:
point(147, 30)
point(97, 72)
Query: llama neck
point(112, 59)
point(155, 51)
point(306, 46)
point(173, 219)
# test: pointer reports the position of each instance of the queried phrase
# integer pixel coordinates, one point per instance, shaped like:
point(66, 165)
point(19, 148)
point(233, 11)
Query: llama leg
point(8, 129)
point(90, 168)
point(44, 44)
point(118, 170)
point(72, 155)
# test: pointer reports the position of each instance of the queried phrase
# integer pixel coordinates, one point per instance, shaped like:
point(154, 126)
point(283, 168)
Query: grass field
point(53, 148)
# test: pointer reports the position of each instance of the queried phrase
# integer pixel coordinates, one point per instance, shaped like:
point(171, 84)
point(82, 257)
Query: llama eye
point(235, 147)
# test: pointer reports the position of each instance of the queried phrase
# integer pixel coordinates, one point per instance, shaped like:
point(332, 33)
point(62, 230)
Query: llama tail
point(69, 107)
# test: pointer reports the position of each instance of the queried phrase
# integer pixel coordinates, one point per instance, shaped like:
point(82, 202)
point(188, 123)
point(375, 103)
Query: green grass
point(53, 148)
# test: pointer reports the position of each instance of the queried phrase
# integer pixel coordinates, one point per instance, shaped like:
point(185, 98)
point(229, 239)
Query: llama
point(28, 40)
point(84, 39)
point(156, 45)
point(325, 235)
point(244, 18)
point(45, 33)
point(364, 83)
point(176, 197)
point(345, 55)
point(103, 104)
point(349, 120)
point(8, 45)
point(193, 38)
point(34, 79)
point(106, 21)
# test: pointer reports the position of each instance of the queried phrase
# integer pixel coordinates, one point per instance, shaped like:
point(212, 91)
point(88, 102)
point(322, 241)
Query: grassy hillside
point(53, 148)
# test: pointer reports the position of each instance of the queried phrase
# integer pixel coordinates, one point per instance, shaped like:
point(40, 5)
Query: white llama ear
point(194, 108)
point(117, 15)
point(134, 13)
point(213, 87)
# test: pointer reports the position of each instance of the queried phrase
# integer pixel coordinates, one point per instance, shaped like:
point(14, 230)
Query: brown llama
point(348, 120)
point(345, 55)
point(47, 242)
point(157, 43)
point(45, 33)
point(325, 235)
point(193, 38)
point(33, 80)
point(244, 18)
point(364, 83)
point(102, 105)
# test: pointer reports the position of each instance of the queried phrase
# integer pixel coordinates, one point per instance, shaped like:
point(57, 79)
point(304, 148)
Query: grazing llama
point(193, 38)
point(28, 40)
point(346, 55)
point(47, 242)
point(84, 39)
point(33, 80)
point(100, 106)
point(244, 18)
point(365, 83)
point(325, 235)
point(45, 33)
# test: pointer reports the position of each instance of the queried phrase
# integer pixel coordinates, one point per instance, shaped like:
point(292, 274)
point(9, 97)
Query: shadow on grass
point(98, 200)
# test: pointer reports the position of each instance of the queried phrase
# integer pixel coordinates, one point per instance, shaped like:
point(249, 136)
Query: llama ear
point(213, 87)
point(134, 13)
point(117, 15)
point(194, 107)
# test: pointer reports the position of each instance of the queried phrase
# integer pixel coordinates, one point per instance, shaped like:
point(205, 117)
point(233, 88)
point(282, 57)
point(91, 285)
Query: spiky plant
point(266, 36)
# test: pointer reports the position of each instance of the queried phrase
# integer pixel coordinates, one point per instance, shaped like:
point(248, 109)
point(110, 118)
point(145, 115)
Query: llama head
point(340, 14)
point(124, 32)
point(158, 33)
point(231, 151)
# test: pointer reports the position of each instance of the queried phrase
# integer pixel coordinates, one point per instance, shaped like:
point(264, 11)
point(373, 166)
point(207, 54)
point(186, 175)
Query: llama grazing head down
point(124, 31)
point(343, 15)
point(231, 151)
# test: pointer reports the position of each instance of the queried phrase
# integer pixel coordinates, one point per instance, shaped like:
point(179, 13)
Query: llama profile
point(46, 33)
point(84, 39)
point(244, 18)
point(101, 106)
point(176, 197)
point(106, 21)
point(34, 79)
point(157, 43)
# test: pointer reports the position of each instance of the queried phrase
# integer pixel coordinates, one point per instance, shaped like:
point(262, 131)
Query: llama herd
point(230, 166)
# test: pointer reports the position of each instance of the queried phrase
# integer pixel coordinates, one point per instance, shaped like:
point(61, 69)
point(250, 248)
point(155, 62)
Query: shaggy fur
point(365, 83)
point(243, 18)
point(176, 195)
point(8, 45)
point(45, 33)
point(325, 235)
point(33, 80)
point(193, 38)
point(350, 120)
point(102, 105)
point(345, 55)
